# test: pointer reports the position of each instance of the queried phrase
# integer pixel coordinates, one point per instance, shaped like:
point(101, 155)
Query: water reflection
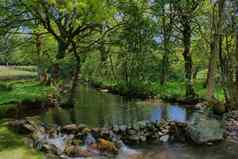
point(97, 109)
point(175, 113)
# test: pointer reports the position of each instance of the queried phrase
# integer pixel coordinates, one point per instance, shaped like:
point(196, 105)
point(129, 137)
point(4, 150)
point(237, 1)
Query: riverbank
point(24, 94)
point(172, 91)
point(14, 146)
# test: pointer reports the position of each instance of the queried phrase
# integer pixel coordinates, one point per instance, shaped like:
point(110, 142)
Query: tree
point(216, 29)
point(163, 9)
point(136, 39)
point(186, 12)
point(228, 54)
point(69, 26)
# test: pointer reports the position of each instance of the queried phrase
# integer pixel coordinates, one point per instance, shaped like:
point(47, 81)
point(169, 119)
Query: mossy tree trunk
point(188, 63)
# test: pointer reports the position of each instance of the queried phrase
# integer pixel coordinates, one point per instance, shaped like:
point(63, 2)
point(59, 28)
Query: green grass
point(12, 73)
point(171, 88)
point(24, 90)
point(177, 89)
point(13, 146)
point(12, 91)
point(26, 68)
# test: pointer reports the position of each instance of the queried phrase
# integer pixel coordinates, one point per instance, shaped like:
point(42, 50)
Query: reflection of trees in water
point(57, 116)
point(101, 113)
point(93, 108)
point(98, 109)
point(60, 116)
point(131, 112)
point(72, 115)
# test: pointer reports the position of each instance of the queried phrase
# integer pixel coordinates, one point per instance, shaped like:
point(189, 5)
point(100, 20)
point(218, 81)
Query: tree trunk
point(234, 98)
point(215, 48)
point(212, 70)
point(187, 33)
point(165, 61)
point(75, 78)
point(55, 69)
point(164, 69)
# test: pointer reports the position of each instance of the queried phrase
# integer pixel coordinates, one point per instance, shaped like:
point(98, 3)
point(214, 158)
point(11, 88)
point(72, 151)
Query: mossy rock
point(218, 106)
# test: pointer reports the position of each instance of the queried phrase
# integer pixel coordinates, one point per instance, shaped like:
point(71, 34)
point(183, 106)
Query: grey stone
point(123, 127)
point(164, 138)
point(203, 130)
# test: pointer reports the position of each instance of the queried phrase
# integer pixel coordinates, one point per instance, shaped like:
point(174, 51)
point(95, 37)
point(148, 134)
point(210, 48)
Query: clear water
point(97, 109)
point(224, 150)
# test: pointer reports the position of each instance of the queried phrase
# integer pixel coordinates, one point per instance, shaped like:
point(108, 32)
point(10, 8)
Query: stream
point(99, 109)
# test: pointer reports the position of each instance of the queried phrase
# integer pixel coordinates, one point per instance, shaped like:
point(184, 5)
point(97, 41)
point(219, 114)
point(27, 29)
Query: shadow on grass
point(12, 145)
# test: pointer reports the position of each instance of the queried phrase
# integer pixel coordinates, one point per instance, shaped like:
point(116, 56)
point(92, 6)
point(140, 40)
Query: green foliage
point(177, 89)
point(125, 44)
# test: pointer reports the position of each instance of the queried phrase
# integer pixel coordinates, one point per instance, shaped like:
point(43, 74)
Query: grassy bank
point(30, 92)
point(177, 89)
point(134, 90)
point(17, 84)
point(22, 91)
point(17, 72)
point(13, 146)
point(174, 89)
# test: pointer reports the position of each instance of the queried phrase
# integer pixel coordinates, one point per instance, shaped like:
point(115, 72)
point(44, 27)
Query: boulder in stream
point(106, 146)
point(76, 151)
point(202, 130)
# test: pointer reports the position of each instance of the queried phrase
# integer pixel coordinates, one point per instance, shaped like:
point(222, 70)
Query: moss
point(12, 145)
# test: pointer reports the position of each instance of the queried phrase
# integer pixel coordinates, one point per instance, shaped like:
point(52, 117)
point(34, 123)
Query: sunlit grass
point(24, 90)
point(177, 89)
point(11, 73)
point(12, 145)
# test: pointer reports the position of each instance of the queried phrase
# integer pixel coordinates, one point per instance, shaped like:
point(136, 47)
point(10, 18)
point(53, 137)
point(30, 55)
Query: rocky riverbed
point(75, 141)
point(231, 125)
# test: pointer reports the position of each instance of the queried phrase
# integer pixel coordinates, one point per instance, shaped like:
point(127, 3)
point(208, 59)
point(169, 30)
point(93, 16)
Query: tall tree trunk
point(164, 69)
point(55, 69)
point(75, 78)
point(234, 99)
point(187, 33)
point(165, 61)
point(215, 47)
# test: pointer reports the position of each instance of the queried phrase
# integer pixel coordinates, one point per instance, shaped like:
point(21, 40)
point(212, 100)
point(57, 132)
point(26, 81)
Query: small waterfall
point(58, 140)
point(124, 152)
